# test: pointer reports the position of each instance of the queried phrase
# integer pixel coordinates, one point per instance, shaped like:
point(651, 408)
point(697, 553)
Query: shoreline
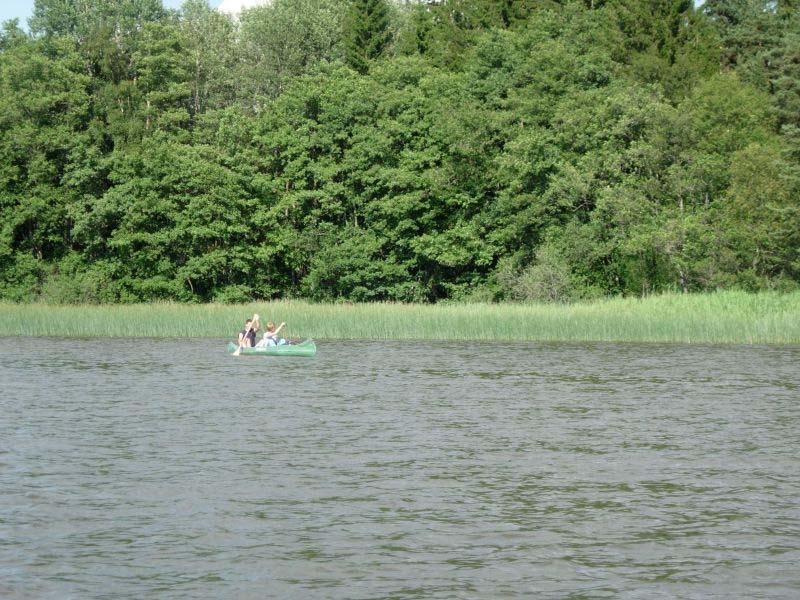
point(712, 318)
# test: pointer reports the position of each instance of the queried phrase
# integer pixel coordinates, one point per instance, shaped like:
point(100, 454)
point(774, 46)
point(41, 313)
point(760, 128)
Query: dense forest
point(420, 151)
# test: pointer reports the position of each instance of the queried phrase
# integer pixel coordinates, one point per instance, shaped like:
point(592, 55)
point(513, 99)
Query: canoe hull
point(305, 348)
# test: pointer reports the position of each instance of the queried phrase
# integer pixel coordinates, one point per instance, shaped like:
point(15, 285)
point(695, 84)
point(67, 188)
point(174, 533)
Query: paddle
point(253, 323)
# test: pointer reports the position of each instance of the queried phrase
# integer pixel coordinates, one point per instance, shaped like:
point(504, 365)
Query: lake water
point(164, 468)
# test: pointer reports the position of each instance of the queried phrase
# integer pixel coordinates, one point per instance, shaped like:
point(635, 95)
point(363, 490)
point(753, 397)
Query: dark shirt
point(250, 336)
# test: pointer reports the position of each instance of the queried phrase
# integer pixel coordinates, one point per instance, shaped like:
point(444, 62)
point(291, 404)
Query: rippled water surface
point(164, 468)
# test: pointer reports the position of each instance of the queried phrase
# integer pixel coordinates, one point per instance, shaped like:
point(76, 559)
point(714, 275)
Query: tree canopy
point(418, 151)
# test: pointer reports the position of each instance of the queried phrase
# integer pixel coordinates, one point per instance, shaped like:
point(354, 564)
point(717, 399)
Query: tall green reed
point(721, 317)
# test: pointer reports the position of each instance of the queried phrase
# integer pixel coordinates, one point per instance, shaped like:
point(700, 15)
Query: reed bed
point(722, 317)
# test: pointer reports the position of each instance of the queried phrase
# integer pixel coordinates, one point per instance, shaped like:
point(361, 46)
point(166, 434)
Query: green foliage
point(746, 27)
point(79, 18)
point(209, 39)
point(11, 34)
point(367, 151)
point(44, 110)
point(283, 40)
point(762, 217)
point(366, 32)
point(548, 279)
point(352, 264)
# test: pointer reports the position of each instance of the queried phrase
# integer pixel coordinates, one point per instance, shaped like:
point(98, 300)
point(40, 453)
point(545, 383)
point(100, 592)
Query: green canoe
point(305, 348)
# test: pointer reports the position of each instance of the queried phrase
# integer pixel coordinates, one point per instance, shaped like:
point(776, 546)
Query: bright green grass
point(723, 317)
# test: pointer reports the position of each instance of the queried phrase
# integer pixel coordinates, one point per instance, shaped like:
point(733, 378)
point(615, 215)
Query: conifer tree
point(366, 32)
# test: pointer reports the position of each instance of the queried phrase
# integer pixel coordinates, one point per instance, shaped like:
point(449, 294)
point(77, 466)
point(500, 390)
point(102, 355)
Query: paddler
point(271, 336)
point(247, 336)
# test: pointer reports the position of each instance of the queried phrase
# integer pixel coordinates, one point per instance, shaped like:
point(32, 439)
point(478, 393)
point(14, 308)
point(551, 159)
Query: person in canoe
point(271, 336)
point(247, 336)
